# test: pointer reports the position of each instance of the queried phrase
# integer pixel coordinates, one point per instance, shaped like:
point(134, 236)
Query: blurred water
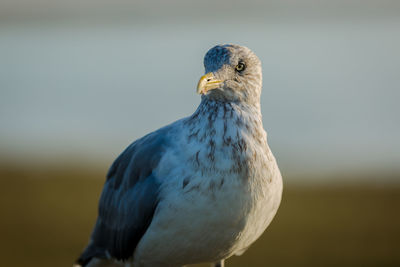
point(87, 89)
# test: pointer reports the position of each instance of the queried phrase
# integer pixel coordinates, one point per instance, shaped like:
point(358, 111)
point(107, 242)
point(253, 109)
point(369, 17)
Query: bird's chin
point(221, 94)
point(214, 93)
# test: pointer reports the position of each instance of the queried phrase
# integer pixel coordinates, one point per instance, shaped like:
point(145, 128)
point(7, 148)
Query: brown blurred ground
point(47, 216)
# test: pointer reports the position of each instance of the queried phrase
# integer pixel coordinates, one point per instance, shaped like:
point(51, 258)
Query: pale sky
point(84, 80)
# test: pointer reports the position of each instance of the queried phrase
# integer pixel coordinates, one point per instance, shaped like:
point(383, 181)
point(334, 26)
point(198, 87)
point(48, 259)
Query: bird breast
point(221, 194)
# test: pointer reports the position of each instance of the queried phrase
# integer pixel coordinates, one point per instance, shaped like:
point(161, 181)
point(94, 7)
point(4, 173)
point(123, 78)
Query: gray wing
point(128, 200)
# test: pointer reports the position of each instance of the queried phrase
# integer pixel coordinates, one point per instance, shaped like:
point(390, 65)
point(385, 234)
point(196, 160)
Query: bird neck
point(218, 119)
point(214, 109)
point(231, 132)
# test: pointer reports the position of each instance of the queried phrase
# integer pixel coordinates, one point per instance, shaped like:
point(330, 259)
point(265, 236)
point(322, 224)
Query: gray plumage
point(128, 200)
point(199, 190)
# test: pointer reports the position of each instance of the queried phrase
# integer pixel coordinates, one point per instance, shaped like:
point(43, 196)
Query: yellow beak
point(207, 82)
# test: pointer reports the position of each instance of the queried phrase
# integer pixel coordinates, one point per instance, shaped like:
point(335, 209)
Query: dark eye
point(240, 67)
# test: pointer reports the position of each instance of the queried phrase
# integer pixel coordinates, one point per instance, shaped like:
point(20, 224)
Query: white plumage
point(199, 190)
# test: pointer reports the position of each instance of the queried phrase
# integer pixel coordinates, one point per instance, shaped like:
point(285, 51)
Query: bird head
point(233, 73)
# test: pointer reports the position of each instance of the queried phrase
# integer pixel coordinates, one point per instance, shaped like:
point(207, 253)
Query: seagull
point(199, 190)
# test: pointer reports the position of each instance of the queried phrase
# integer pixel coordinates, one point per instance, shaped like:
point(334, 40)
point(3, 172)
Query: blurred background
point(80, 80)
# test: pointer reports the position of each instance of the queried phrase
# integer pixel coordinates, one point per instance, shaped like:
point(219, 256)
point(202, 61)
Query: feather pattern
point(128, 200)
point(221, 188)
